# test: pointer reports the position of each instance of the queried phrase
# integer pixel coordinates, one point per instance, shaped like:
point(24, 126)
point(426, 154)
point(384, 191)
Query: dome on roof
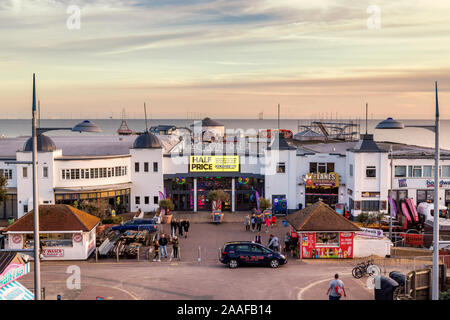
point(147, 141)
point(44, 144)
point(208, 122)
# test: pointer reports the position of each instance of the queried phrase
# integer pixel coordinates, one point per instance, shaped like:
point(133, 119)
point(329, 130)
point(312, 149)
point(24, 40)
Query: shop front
point(323, 233)
point(66, 233)
point(322, 186)
point(114, 199)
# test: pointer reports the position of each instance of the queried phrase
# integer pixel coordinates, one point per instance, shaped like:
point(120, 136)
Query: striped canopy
point(15, 291)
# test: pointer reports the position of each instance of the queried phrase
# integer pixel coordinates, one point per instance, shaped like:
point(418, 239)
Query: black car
point(240, 253)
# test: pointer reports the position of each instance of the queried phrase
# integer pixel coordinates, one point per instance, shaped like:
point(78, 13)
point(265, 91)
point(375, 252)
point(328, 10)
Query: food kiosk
point(323, 233)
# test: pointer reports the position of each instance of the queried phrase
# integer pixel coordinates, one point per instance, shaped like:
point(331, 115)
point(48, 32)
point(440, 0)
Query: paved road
point(209, 279)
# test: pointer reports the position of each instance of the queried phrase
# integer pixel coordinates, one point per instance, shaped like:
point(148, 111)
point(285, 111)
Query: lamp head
point(390, 123)
point(87, 126)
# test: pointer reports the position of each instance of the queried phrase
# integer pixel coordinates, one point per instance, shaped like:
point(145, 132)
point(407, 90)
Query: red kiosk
point(323, 233)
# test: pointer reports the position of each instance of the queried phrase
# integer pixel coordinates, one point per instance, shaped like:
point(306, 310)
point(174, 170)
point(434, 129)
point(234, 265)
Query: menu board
point(310, 249)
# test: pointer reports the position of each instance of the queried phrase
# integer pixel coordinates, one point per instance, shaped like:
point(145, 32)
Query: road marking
point(127, 292)
point(300, 293)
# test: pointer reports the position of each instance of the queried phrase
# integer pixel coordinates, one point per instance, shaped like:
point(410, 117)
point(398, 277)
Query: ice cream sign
point(330, 179)
point(13, 272)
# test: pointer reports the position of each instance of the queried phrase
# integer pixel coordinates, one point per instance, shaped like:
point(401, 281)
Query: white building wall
point(146, 184)
point(25, 184)
point(12, 183)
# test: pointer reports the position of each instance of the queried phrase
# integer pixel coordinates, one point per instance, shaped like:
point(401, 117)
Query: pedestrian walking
point(274, 243)
point(259, 222)
point(336, 289)
point(267, 222)
point(175, 244)
point(274, 220)
point(287, 243)
point(173, 226)
point(269, 242)
point(258, 238)
point(247, 223)
point(186, 228)
point(253, 221)
point(163, 245)
point(180, 227)
point(156, 249)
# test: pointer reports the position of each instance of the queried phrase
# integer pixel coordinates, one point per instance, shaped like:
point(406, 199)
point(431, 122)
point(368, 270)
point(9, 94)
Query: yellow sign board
point(214, 164)
point(318, 180)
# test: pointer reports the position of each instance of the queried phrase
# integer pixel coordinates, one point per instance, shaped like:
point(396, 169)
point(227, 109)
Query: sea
point(413, 136)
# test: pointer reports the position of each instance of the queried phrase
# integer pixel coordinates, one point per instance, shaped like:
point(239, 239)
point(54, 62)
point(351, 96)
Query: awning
point(15, 291)
point(111, 187)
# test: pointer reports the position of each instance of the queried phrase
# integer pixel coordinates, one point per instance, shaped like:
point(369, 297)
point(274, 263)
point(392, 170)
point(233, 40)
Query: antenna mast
point(145, 112)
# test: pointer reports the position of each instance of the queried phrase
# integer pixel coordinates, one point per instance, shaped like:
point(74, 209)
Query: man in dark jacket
point(163, 245)
point(173, 226)
point(175, 244)
point(180, 227)
point(186, 228)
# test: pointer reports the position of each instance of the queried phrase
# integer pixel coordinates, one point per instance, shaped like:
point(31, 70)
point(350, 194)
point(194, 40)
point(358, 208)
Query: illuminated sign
point(317, 180)
point(214, 164)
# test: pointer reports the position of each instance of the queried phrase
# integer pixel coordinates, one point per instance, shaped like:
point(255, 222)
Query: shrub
point(112, 220)
point(166, 204)
point(264, 204)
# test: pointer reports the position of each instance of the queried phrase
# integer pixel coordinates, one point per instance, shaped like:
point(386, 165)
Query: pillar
point(195, 194)
point(233, 194)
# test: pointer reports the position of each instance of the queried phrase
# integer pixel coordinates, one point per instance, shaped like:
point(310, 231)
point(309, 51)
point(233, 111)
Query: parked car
point(241, 253)
point(137, 224)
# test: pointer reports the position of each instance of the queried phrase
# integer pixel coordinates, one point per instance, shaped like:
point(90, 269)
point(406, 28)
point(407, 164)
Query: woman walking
point(186, 228)
point(274, 220)
point(173, 226)
point(156, 249)
point(247, 223)
point(267, 222)
point(253, 221)
point(175, 244)
point(180, 227)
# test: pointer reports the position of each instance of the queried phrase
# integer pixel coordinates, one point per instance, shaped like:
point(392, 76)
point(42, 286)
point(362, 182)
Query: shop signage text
point(53, 253)
point(366, 232)
point(214, 164)
point(13, 272)
point(442, 183)
point(330, 179)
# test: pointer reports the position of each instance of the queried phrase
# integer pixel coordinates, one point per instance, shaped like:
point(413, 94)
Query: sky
point(225, 58)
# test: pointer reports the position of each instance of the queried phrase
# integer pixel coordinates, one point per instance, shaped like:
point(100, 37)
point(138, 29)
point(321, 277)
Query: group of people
point(291, 245)
point(254, 223)
point(273, 243)
point(160, 247)
point(182, 226)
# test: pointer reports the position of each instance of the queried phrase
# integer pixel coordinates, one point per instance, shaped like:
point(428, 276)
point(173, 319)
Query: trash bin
point(300, 206)
point(386, 288)
point(399, 277)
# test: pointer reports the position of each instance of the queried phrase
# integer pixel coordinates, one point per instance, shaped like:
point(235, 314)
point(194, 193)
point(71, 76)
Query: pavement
point(192, 279)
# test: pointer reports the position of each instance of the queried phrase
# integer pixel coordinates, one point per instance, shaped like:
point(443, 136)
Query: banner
point(214, 164)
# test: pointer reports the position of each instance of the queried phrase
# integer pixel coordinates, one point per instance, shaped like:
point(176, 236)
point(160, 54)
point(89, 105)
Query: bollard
point(117, 254)
point(96, 254)
point(199, 254)
point(138, 253)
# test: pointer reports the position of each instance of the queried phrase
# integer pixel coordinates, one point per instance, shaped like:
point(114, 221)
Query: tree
point(166, 204)
point(264, 204)
point(99, 209)
point(3, 183)
point(218, 196)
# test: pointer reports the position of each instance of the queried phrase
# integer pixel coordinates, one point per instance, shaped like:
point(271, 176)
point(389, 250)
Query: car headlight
point(282, 256)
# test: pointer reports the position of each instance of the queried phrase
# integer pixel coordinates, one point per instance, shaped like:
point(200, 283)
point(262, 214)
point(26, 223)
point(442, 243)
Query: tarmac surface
point(194, 279)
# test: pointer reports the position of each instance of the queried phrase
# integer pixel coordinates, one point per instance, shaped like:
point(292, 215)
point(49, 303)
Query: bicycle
point(361, 269)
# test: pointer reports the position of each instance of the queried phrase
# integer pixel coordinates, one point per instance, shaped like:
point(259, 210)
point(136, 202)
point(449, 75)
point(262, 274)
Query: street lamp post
point(390, 123)
point(85, 126)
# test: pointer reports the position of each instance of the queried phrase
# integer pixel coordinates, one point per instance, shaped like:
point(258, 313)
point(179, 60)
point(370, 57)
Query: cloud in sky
point(209, 56)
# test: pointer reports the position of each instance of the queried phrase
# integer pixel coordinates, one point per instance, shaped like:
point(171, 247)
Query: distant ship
point(123, 129)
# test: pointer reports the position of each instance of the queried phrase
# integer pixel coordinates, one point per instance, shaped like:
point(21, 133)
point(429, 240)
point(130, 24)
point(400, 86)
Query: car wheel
point(233, 264)
point(274, 263)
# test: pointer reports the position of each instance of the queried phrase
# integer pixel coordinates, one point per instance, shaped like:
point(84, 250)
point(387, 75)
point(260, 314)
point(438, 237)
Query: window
point(425, 195)
point(328, 239)
point(45, 172)
point(155, 166)
point(25, 172)
point(155, 200)
point(242, 248)
point(7, 173)
point(145, 166)
point(415, 171)
point(146, 200)
point(25, 208)
point(351, 170)
point(256, 249)
point(138, 200)
point(321, 167)
point(400, 171)
point(371, 172)
point(370, 205)
point(445, 171)
point(427, 171)
point(281, 167)
point(136, 167)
